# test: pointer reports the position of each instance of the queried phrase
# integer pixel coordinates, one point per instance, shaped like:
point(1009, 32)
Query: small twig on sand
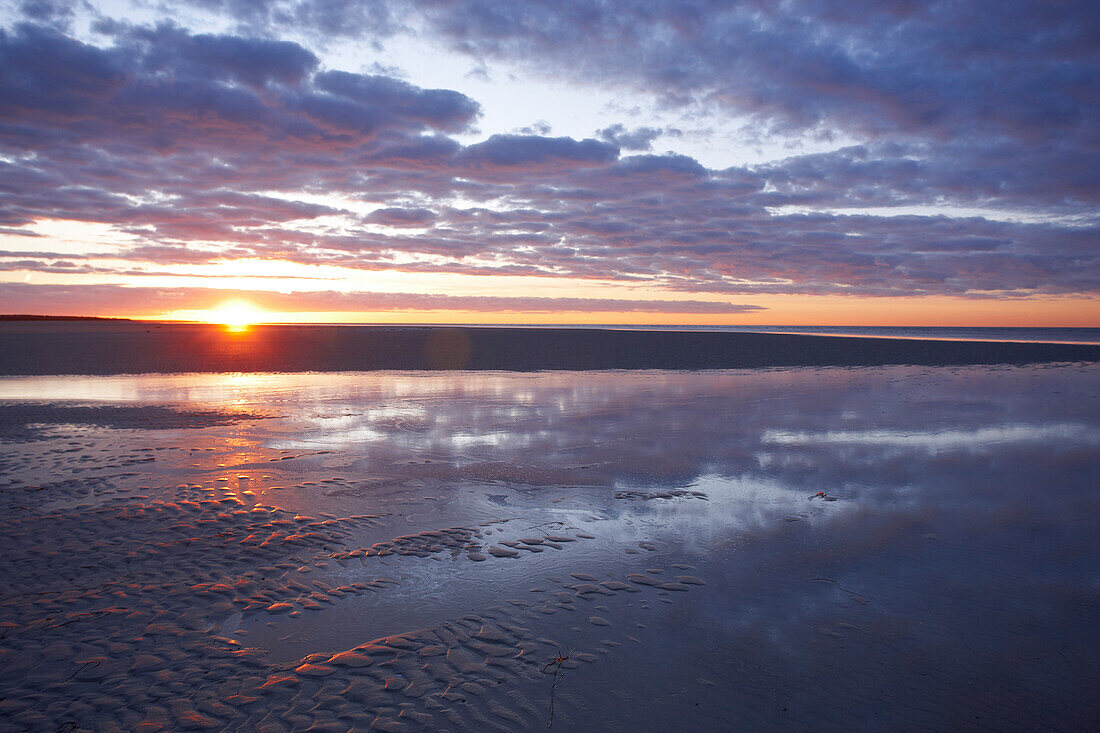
point(82, 667)
point(82, 617)
point(555, 666)
point(861, 600)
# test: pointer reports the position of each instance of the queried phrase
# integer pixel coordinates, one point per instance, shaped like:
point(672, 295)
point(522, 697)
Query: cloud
point(440, 109)
point(60, 14)
point(395, 217)
point(534, 154)
point(255, 62)
point(164, 90)
point(114, 299)
point(540, 127)
point(938, 68)
point(640, 138)
point(320, 18)
point(195, 146)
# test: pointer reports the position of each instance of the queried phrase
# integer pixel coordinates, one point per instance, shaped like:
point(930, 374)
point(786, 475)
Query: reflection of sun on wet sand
point(129, 599)
point(500, 552)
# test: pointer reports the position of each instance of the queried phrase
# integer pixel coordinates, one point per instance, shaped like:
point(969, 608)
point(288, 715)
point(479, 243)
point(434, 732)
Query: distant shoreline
point(1085, 335)
point(33, 317)
point(133, 347)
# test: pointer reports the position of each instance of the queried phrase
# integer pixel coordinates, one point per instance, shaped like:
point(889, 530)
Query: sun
point(235, 315)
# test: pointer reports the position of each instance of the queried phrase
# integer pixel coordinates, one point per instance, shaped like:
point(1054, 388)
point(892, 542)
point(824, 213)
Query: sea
point(940, 333)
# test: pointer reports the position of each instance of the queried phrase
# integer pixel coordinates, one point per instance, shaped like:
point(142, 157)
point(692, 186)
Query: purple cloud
point(529, 153)
point(178, 138)
point(322, 18)
point(938, 67)
point(640, 138)
point(396, 217)
point(168, 91)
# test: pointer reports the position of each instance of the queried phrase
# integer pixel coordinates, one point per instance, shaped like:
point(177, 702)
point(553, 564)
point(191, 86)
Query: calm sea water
point(951, 333)
point(1030, 335)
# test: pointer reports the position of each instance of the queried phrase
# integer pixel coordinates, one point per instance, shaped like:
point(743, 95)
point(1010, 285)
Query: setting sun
point(236, 315)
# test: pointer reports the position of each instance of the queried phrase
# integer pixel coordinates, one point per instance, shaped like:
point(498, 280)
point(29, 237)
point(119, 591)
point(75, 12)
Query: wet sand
point(135, 348)
point(904, 548)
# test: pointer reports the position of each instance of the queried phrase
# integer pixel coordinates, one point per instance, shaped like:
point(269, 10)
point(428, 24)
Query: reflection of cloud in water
point(734, 508)
point(757, 442)
point(960, 554)
point(934, 440)
point(894, 428)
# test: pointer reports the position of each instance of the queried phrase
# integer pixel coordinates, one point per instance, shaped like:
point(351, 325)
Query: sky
point(797, 162)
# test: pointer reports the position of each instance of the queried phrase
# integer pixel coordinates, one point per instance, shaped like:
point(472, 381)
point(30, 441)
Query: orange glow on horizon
point(1051, 312)
point(236, 315)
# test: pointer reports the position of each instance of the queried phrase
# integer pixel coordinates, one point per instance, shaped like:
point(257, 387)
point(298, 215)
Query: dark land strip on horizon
point(137, 347)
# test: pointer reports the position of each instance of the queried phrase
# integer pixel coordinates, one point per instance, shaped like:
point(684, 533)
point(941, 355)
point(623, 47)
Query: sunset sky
point(874, 162)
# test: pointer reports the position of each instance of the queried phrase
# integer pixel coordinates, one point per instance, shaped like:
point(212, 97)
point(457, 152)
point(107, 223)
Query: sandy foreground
point(872, 548)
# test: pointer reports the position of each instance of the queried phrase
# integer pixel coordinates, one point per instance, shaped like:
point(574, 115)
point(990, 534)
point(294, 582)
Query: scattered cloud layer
point(199, 146)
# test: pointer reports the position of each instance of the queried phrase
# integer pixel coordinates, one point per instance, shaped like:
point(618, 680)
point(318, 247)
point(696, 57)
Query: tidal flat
point(798, 548)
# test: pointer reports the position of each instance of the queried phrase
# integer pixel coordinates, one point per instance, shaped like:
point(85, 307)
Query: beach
point(588, 367)
point(135, 347)
point(300, 528)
